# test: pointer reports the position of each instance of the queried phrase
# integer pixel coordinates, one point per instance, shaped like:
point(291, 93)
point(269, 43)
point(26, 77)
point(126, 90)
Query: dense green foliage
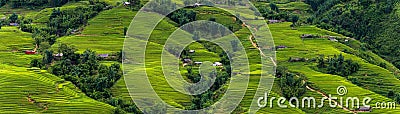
point(373, 22)
point(338, 65)
point(62, 21)
point(291, 84)
point(182, 16)
point(32, 4)
point(86, 72)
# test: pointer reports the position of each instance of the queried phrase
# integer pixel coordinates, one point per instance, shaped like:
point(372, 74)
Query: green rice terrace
point(69, 56)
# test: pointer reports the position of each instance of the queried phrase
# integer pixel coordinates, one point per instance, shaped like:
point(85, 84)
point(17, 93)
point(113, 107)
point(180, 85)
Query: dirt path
point(323, 94)
point(261, 52)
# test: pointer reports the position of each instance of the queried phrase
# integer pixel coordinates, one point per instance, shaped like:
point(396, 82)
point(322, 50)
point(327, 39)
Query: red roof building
point(29, 52)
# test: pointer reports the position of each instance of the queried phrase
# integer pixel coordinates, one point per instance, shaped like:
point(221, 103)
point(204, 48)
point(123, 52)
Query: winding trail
point(323, 94)
point(262, 53)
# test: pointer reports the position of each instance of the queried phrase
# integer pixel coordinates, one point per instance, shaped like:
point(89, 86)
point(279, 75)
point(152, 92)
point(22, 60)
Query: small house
point(187, 61)
point(197, 4)
point(58, 55)
point(274, 21)
point(281, 47)
point(192, 51)
point(364, 109)
point(217, 64)
point(103, 55)
point(307, 36)
point(14, 24)
point(75, 31)
point(198, 63)
point(127, 3)
point(30, 52)
point(333, 39)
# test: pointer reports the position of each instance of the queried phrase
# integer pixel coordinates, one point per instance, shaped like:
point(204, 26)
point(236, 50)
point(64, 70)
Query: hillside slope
point(31, 90)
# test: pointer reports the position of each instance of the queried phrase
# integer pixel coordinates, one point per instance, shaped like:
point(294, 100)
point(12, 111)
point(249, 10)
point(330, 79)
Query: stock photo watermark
point(339, 101)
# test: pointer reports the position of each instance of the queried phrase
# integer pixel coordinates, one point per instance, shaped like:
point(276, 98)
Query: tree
point(281, 71)
point(13, 18)
point(397, 97)
point(44, 46)
point(68, 52)
point(339, 66)
point(182, 16)
point(295, 19)
point(1, 24)
point(120, 55)
point(36, 63)
point(212, 19)
point(48, 57)
point(292, 85)
point(125, 30)
point(274, 7)
point(321, 61)
point(136, 4)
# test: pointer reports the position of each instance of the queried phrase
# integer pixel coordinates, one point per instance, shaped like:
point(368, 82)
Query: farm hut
point(364, 109)
point(217, 64)
point(127, 3)
point(187, 61)
point(333, 39)
point(103, 55)
point(58, 55)
point(198, 63)
point(197, 4)
point(281, 47)
point(30, 52)
point(75, 31)
point(294, 59)
point(274, 21)
point(192, 51)
point(14, 24)
point(307, 36)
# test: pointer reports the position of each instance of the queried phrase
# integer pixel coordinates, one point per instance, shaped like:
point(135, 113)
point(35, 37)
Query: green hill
point(34, 90)
point(31, 90)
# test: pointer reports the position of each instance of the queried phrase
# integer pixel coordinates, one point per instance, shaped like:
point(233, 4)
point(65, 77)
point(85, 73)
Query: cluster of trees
point(210, 96)
point(34, 3)
point(86, 72)
point(291, 84)
point(3, 2)
point(162, 6)
point(182, 16)
point(338, 65)
point(62, 21)
point(272, 12)
point(135, 5)
point(373, 22)
point(12, 19)
point(123, 106)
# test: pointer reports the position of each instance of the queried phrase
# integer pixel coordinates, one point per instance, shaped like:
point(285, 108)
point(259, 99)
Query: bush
point(36, 63)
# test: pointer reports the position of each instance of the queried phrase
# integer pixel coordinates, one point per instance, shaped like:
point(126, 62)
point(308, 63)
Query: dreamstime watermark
point(333, 101)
